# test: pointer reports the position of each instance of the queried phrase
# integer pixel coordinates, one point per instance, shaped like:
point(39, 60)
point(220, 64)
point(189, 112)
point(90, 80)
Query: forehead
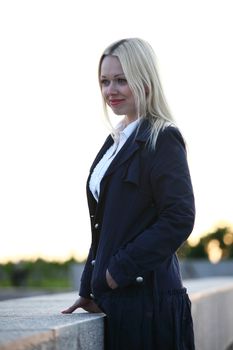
point(111, 66)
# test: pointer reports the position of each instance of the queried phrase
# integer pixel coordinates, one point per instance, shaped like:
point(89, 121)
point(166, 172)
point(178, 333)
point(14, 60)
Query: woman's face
point(115, 88)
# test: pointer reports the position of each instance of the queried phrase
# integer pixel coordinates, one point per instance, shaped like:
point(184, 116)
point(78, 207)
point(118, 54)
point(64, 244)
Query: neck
point(127, 120)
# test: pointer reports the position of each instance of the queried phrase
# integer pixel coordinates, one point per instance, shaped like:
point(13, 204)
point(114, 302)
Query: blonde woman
point(142, 209)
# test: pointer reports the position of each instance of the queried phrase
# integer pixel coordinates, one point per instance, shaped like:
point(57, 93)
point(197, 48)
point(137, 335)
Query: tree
point(215, 246)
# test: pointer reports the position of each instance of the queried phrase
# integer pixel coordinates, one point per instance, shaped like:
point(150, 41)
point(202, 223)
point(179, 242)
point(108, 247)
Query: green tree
point(222, 238)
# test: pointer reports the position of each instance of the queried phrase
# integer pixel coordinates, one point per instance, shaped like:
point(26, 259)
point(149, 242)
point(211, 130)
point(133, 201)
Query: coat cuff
point(85, 291)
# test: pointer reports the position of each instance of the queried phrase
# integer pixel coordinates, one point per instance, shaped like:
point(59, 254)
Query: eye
point(122, 81)
point(104, 82)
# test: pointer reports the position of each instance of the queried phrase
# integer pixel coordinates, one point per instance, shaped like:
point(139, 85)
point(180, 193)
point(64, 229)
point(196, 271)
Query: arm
point(85, 288)
point(174, 205)
point(84, 301)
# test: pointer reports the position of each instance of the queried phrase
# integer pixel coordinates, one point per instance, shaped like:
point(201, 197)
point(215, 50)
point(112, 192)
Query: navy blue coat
point(144, 213)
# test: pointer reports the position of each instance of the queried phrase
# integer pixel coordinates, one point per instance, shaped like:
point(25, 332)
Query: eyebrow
point(115, 76)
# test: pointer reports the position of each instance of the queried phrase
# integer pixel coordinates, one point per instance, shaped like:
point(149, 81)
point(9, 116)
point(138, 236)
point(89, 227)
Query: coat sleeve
point(85, 288)
point(175, 211)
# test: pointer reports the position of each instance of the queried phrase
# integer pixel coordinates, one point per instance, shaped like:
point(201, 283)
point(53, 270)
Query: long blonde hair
point(138, 62)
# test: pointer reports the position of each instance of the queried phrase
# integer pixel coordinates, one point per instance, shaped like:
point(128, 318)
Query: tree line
point(216, 245)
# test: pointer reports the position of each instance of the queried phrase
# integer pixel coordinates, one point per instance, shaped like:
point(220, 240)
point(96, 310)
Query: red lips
point(115, 102)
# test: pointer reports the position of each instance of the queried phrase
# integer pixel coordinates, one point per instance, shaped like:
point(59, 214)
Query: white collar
point(126, 130)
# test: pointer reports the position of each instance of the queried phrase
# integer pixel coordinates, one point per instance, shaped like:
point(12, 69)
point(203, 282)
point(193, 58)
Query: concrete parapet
point(212, 300)
point(201, 268)
point(36, 323)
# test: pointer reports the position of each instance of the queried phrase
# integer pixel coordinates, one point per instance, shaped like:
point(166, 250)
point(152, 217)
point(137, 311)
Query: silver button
point(92, 296)
point(139, 279)
point(96, 226)
point(92, 262)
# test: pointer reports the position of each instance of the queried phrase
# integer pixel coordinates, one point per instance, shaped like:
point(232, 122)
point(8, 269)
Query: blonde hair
point(138, 62)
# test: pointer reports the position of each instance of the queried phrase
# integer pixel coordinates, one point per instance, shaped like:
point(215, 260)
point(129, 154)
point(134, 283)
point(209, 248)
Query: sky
point(51, 117)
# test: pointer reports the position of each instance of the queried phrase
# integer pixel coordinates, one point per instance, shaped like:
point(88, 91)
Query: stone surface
point(36, 323)
point(30, 340)
point(212, 300)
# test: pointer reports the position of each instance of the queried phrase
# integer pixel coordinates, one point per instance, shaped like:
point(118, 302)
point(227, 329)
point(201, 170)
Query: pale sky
point(51, 123)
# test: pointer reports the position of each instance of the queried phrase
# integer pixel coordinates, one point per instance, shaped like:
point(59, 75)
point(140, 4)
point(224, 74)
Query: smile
point(115, 102)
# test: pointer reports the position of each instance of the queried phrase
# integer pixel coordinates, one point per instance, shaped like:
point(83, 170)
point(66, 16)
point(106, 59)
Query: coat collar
point(139, 136)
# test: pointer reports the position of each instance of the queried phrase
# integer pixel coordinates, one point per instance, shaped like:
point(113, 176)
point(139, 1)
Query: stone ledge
point(212, 300)
point(36, 323)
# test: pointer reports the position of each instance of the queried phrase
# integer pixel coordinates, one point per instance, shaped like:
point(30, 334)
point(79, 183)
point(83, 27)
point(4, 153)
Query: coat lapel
point(130, 147)
point(91, 200)
point(108, 142)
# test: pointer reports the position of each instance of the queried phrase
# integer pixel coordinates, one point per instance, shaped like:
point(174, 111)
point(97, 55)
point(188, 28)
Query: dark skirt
point(137, 319)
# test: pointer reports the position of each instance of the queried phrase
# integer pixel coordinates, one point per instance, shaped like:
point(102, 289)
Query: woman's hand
point(84, 303)
point(110, 281)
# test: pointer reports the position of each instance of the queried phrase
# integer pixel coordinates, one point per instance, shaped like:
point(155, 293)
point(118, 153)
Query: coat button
point(139, 279)
point(96, 226)
point(92, 262)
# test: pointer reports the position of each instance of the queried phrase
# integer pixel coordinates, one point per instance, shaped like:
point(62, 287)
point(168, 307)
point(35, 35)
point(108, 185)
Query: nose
point(112, 89)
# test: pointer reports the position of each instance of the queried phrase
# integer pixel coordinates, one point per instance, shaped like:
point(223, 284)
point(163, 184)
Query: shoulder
point(170, 149)
point(170, 134)
point(170, 141)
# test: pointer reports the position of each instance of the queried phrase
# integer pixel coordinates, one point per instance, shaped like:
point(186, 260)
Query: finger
point(67, 311)
point(70, 310)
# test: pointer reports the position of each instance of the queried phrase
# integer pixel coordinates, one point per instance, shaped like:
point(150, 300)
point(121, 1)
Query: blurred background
point(51, 126)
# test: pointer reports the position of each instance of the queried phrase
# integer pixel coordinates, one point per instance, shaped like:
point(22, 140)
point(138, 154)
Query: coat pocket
point(99, 283)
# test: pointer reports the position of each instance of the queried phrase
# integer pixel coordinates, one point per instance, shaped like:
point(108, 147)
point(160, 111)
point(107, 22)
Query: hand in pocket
point(110, 281)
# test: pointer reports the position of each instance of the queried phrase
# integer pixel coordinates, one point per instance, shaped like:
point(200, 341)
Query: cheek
point(104, 93)
point(128, 92)
point(130, 96)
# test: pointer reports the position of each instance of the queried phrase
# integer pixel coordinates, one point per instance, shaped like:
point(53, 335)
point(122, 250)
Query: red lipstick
point(115, 102)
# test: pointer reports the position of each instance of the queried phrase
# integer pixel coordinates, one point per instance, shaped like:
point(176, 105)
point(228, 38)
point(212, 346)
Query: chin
point(118, 112)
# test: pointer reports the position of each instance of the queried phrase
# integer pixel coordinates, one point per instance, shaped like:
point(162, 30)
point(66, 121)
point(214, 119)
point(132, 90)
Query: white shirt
point(123, 133)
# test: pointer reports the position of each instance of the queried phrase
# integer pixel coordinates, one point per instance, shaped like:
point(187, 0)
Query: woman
point(141, 206)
